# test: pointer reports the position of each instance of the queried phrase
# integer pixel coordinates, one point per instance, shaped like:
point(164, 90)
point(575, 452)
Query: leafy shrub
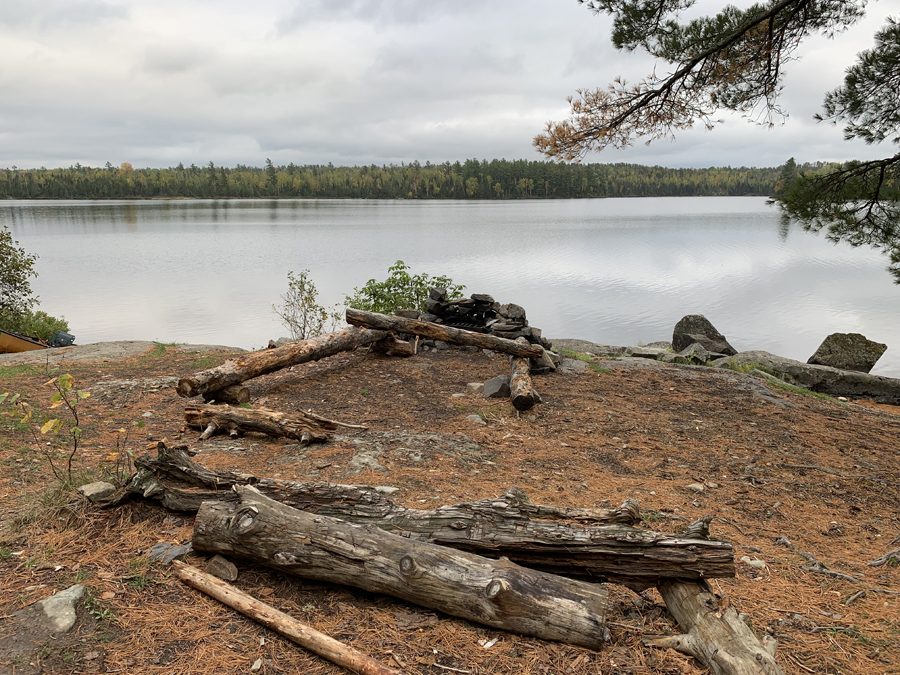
point(300, 311)
point(36, 324)
point(400, 290)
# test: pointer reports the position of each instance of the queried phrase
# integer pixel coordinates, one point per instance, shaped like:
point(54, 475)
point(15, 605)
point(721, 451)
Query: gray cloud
point(367, 81)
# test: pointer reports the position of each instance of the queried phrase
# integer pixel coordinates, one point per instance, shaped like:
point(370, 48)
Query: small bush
point(300, 311)
point(34, 324)
point(400, 290)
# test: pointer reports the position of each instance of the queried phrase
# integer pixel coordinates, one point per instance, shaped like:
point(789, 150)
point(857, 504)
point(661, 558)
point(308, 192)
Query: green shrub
point(300, 311)
point(34, 324)
point(400, 290)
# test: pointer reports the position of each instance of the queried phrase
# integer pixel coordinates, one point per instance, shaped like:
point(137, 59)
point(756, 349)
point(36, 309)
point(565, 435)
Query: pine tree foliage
point(734, 60)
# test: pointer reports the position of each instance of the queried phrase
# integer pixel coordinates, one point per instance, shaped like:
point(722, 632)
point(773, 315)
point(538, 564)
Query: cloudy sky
point(159, 82)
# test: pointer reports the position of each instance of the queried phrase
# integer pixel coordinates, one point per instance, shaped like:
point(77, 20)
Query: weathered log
point(283, 624)
point(496, 593)
point(393, 347)
point(721, 639)
point(301, 426)
point(593, 544)
point(236, 394)
point(254, 364)
point(436, 331)
point(521, 390)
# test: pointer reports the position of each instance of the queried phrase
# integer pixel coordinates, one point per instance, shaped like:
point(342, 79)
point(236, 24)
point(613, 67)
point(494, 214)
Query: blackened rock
point(697, 328)
point(437, 293)
point(482, 297)
point(848, 351)
point(512, 311)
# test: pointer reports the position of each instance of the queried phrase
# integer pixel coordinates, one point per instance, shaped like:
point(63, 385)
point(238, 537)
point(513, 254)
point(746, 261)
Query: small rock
point(257, 665)
point(457, 395)
point(147, 414)
point(440, 344)
point(387, 489)
point(496, 387)
point(475, 387)
point(98, 491)
point(223, 568)
point(476, 418)
point(758, 564)
point(165, 552)
point(696, 487)
point(60, 608)
point(712, 486)
point(644, 352)
point(91, 656)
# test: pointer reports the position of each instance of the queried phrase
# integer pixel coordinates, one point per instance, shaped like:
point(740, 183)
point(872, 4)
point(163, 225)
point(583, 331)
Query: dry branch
point(300, 426)
point(495, 593)
point(438, 332)
point(584, 543)
point(521, 389)
point(283, 624)
point(266, 361)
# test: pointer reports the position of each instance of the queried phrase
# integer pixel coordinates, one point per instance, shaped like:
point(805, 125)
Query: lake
point(615, 271)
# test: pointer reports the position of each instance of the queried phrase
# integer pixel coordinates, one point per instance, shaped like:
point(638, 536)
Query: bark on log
point(436, 331)
point(521, 389)
point(283, 624)
point(266, 361)
point(300, 426)
point(721, 640)
point(235, 394)
point(495, 593)
point(593, 544)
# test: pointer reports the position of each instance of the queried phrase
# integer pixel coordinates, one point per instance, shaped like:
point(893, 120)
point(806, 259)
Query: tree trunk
point(438, 332)
point(235, 394)
point(495, 593)
point(521, 390)
point(393, 347)
point(283, 624)
point(254, 364)
point(583, 543)
point(300, 426)
point(721, 639)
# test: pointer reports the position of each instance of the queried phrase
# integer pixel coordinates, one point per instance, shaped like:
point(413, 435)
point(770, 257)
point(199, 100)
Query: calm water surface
point(615, 271)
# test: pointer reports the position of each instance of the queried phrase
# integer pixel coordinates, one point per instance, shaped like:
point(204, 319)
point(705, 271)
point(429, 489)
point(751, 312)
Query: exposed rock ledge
point(824, 379)
point(98, 352)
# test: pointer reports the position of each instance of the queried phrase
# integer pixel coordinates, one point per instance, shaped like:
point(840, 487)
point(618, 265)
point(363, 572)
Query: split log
point(283, 624)
point(495, 593)
point(301, 426)
point(393, 347)
point(235, 394)
point(721, 639)
point(597, 544)
point(436, 331)
point(254, 364)
point(521, 389)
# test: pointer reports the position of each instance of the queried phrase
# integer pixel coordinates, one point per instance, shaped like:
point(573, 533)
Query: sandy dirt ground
point(772, 463)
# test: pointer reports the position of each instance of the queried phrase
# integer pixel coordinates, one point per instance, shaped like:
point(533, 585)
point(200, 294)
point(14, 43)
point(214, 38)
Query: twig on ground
point(887, 557)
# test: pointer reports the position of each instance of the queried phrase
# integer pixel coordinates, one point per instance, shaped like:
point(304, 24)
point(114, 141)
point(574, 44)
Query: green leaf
point(48, 426)
point(66, 382)
point(84, 394)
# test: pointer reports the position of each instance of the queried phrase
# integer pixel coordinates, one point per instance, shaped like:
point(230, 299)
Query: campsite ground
point(772, 462)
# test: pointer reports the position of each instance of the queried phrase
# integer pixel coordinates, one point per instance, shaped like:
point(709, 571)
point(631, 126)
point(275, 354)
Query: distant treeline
point(472, 179)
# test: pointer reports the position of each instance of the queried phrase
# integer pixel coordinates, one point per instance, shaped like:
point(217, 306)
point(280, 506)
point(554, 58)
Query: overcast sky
point(158, 82)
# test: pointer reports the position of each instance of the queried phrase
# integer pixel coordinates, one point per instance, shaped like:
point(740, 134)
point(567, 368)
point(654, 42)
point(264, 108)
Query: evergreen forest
point(472, 179)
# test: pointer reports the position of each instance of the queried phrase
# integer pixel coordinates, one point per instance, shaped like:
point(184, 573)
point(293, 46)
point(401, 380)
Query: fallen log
point(393, 347)
point(721, 639)
point(521, 389)
point(495, 593)
point(254, 364)
point(235, 394)
point(436, 331)
point(597, 544)
point(301, 426)
point(283, 624)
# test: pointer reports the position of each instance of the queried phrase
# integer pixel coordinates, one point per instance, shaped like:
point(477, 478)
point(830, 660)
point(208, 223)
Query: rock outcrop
point(848, 351)
point(697, 328)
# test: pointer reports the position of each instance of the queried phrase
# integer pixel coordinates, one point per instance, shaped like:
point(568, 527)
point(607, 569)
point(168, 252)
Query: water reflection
point(614, 271)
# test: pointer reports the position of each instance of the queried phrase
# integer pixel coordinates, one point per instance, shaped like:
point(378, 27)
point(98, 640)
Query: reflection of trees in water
point(784, 228)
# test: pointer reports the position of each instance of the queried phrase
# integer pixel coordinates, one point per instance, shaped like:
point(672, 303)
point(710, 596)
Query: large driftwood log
point(301, 426)
point(720, 639)
point(436, 331)
point(583, 543)
point(521, 389)
point(283, 624)
point(266, 361)
point(496, 593)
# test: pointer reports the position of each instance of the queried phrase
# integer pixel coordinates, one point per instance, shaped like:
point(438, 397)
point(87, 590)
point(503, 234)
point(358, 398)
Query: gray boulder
point(98, 492)
point(586, 347)
point(644, 352)
point(824, 379)
point(848, 351)
point(496, 387)
point(697, 328)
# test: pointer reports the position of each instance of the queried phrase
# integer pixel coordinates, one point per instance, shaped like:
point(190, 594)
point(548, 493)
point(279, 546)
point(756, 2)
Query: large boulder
point(824, 379)
point(848, 351)
point(697, 328)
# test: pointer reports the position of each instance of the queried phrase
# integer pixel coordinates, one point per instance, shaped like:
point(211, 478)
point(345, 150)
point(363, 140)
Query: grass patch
point(21, 369)
point(160, 349)
point(588, 359)
point(203, 362)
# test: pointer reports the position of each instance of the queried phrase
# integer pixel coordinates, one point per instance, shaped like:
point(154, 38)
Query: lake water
point(615, 271)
